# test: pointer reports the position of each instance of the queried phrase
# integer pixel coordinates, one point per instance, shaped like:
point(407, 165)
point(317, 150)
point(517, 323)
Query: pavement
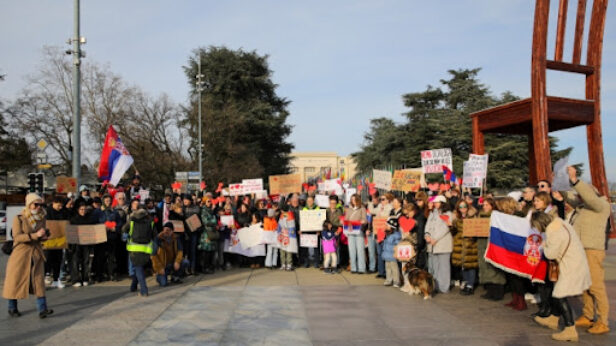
point(272, 307)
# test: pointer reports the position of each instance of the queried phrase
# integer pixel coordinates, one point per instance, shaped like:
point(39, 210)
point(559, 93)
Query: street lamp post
point(76, 41)
point(199, 87)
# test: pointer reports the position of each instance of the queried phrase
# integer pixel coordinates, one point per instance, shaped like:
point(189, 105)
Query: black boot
point(489, 292)
point(566, 313)
point(498, 292)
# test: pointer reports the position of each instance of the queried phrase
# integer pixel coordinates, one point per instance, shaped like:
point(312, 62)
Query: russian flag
point(115, 158)
point(515, 247)
point(448, 174)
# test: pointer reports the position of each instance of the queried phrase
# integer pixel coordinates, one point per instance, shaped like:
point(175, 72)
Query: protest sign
point(561, 176)
point(476, 227)
point(193, 222)
point(285, 184)
point(252, 186)
point(234, 245)
point(227, 220)
point(57, 235)
point(347, 197)
point(322, 201)
point(143, 195)
point(331, 185)
point(475, 171)
point(309, 240)
point(86, 234)
point(404, 251)
point(66, 184)
point(250, 236)
point(178, 226)
point(311, 220)
point(432, 161)
point(379, 224)
point(407, 180)
point(261, 194)
point(381, 179)
point(236, 189)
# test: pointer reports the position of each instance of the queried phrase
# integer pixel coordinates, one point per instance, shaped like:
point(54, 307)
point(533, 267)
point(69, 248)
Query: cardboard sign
point(432, 161)
point(252, 185)
point(309, 240)
point(322, 201)
point(57, 235)
point(379, 224)
point(285, 184)
point(311, 220)
point(404, 251)
point(475, 171)
point(227, 220)
point(476, 227)
point(193, 222)
point(86, 234)
point(382, 179)
point(66, 184)
point(178, 226)
point(407, 180)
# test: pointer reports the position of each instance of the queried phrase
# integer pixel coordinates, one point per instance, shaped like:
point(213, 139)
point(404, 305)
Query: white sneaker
point(456, 283)
point(396, 286)
point(57, 284)
point(77, 284)
point(283, 267)
point(85, 283)
point(529, 297)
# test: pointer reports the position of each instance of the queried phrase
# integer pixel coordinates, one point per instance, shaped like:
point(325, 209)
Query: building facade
point(312, 165)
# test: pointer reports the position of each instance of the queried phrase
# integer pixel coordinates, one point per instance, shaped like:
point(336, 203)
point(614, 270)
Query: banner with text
point(432, 161)
point(381, 179)
point(407, 180)
point(252, 186)
point(475, 171)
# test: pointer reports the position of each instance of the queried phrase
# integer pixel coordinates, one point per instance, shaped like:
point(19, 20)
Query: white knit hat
point(31, 198)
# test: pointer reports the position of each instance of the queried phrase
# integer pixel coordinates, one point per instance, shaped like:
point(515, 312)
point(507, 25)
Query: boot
point(568, 334)
point(599, 328)
point(521, 304)
point(489, 292)
point(499, 292)
point(514, 300)
point(583, 322)
point(550, 321)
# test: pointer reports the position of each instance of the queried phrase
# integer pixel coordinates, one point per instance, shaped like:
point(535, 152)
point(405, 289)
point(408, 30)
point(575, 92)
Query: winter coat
point(139, 258)
point(166, 251)
point(464, 253)
point(420, 228)
point(209, 238)
point(591, 216)
point(488, 274)
point(390, 242)
point(112, 215)
point(25, 269)
point(357, 214)
point(380, 210)
point(574, 275)
point(333, 216)
point(438, 230)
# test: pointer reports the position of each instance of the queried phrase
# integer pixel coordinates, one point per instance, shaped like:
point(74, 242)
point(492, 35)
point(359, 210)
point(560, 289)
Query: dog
point(417, 281)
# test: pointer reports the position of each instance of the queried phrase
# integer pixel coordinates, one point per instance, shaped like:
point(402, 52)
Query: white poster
point(143, 195)
point(561, 176)
point(309, 240)
point(350, 192)
point(252, 186)
point(475, 171)
point(432, 161)
point(331, 185)
point(311, 220)
point(322, 201)
point(250, 236)
point(381, 179)
point(236, 189)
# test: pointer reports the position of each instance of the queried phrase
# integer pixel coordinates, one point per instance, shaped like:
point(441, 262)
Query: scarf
point(34, 217)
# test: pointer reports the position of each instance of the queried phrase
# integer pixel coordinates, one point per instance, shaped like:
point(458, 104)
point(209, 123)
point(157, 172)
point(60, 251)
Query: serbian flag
point(351, 227)
point(515, 247)
point(115, 159)
point(448, 174)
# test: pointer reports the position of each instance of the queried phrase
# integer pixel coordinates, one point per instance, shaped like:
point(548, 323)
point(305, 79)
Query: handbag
point(553, 268)
point(7, 247)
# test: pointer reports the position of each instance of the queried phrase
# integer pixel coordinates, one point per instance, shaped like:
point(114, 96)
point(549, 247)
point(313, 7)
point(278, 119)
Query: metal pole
point(76, 97)
point(200, 89)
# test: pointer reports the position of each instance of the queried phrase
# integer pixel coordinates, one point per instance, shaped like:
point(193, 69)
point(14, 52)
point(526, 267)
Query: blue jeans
point(468, 275)
point(379, 260)
point(41, 304)
point(138, 275)
point(372, 253)
point(192, 253)
point(357, 253)
point(162, 279)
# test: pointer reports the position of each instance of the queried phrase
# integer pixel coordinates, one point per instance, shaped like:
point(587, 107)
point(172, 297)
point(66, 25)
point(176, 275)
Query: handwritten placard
point(66, 184)
point(227, 220)
point(57, 235)
point(311, 220)
point(432, 161)
point(86, 234)
point(382, 179)
point(475, 171)
point(193, 222)
point(285, 184)
point(407, 180)
point(308, 240)
point(178, 226)
point(322, 201)
point(476, 227)
point(404, 252)
point(252, 186)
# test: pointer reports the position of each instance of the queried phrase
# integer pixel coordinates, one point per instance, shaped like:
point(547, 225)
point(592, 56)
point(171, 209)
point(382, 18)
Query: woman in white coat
point(563, 245)
point(440, 243)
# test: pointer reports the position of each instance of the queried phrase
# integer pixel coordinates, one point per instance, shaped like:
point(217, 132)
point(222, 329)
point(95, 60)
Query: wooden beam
point(566, 67)
point(579, 32)
point(478, 139)
point(560, 30)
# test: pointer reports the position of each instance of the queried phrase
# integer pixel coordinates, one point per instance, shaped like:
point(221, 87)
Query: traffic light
point(40, 183)
point(36, 183)
point(32, 182)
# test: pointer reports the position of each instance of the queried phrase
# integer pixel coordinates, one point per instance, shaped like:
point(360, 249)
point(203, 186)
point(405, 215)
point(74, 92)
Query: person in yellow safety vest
point(140, 247)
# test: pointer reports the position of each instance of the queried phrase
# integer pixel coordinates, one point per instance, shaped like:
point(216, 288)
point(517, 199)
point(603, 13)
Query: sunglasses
point(39, 204)
point(462, 206)
point(383, 199)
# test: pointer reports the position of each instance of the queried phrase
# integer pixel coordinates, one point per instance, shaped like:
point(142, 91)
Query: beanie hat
point(168, 224)
point(31, 198)
point(440, 198)
point(271, 212)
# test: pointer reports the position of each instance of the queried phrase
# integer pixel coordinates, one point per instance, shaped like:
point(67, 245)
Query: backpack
point(141, 231)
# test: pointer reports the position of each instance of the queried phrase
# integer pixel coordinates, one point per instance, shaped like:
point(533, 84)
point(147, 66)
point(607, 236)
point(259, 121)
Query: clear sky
point(341, 63)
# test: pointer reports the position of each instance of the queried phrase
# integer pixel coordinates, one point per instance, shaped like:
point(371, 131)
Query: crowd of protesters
point(141, 239)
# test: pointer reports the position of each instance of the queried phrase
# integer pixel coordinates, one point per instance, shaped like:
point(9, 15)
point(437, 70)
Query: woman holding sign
point(25, 270)
point(355, 221)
